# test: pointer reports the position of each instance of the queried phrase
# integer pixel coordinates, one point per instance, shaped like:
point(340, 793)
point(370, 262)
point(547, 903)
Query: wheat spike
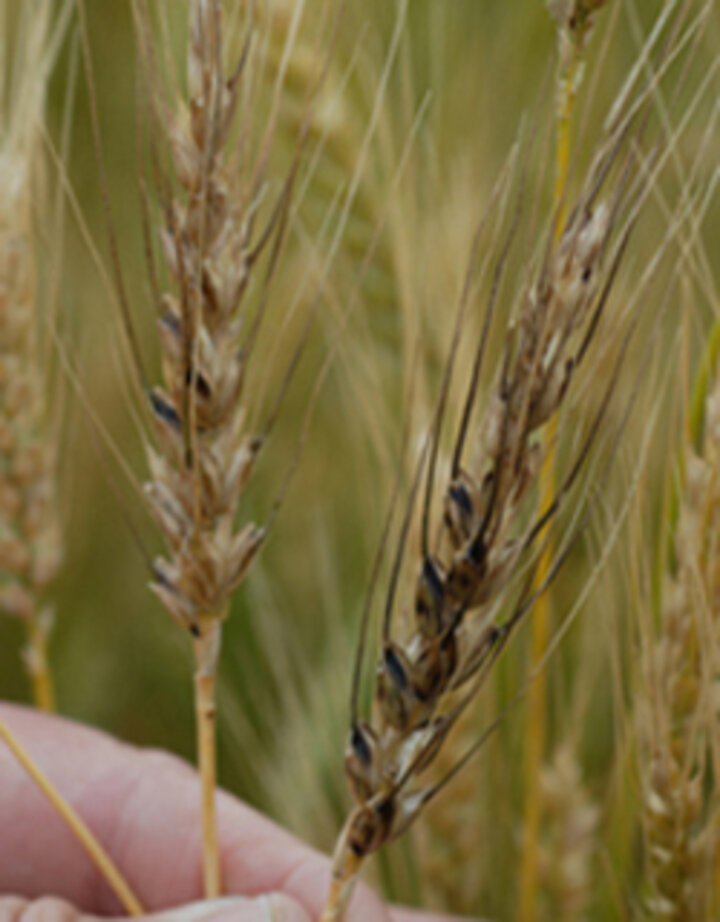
point(484, 551)
point(223, 230)
point(425, 680)
point(205, 455)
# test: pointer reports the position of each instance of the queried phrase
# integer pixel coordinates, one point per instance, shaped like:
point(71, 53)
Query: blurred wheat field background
point(421, 106)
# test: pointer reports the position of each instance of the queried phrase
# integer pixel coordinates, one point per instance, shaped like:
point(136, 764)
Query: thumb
point(272, 908)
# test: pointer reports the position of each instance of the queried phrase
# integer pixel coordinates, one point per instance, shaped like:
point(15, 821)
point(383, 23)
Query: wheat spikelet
point(31, 545)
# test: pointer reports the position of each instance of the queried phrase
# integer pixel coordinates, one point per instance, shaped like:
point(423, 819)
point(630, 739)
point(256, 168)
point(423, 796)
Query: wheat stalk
point(574, 19)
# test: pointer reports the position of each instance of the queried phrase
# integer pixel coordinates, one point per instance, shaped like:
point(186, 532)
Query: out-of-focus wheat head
point(568, 838)
point(677, 712)
point(31, 545)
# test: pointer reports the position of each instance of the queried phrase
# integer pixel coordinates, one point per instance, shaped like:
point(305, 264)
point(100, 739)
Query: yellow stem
point(537, 696)
point(94, 849)
point(205, 710)
point(537, 709)
point(568, 94)
point(36, 663)
point(346, 867)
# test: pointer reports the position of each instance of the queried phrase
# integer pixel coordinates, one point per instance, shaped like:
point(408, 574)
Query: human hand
point(143, 805)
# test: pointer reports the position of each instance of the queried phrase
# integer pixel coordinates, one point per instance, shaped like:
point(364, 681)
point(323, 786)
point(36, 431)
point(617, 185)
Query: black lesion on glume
point(164, 410)
point(200, 382)
point(477, 552)
point(430, 596)
point(386, 811)
point(172, 321)
point(460, 495)
point(395, 669)
point(360, 746)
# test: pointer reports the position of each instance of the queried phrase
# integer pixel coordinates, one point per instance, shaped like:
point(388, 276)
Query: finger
point(144, 807)
point(272, 908)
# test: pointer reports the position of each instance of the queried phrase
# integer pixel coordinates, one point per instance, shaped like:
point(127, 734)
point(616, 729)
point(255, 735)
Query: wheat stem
point(207, 761)
point(206, 653)
point(37, 665)
point(337, 900)
point(77, 826)
point(346, 867)
point(568, 96)
point(537, 697)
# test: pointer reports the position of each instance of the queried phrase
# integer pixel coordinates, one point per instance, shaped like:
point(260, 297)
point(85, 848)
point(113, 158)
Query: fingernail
point(275, 907)
point(201, 911)
point(280, 908)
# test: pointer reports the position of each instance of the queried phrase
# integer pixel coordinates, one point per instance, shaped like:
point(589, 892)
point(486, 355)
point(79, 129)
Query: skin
point(143, 806)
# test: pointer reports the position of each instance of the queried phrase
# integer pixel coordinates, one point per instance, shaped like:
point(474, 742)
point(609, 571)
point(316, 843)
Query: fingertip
point(281, 908)
point(273, 907)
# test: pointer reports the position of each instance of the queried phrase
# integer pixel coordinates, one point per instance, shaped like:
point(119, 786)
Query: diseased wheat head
point(475, 581)
point(425, 680)
point(205, 455)
point(223, 230)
